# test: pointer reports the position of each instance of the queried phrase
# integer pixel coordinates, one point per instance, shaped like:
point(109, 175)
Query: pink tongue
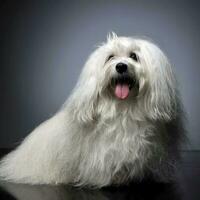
point(121, 91)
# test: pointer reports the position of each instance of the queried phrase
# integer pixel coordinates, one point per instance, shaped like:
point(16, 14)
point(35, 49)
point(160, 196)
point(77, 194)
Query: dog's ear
point(161, 97)
point(111, 35)
point(82, 103)
point(83, 100)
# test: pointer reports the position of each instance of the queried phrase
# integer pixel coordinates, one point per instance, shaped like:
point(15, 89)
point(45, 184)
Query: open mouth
point(122, 85)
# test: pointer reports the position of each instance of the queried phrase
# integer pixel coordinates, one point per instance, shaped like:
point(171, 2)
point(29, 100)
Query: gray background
point(44, 45)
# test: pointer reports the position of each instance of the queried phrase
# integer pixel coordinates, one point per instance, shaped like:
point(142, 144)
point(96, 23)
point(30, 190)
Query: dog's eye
point(134, 56)
point(110, 57)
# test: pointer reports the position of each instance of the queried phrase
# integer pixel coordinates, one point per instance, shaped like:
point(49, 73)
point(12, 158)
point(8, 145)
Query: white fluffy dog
point(122, 122)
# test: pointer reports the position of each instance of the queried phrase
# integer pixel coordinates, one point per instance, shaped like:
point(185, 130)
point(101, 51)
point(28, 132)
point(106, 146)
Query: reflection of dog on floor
point(62, 192)
point(121, 122)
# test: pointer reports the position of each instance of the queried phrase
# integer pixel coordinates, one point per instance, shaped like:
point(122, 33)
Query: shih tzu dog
point(122, 122)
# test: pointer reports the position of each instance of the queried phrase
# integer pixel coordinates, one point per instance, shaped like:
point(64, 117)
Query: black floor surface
point(187, 187)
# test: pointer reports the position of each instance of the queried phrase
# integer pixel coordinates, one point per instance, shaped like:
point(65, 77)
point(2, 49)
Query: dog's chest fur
point(116, 147)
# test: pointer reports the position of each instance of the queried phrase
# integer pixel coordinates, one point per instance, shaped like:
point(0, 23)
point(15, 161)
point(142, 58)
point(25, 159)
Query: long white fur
point(97, 140)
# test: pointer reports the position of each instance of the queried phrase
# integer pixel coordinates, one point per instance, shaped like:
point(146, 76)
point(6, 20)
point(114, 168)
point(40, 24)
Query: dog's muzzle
point(122, 84)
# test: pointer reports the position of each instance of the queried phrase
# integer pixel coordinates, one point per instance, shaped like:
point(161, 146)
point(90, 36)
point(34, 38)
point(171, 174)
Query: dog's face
point(123, 67)
point(120, 68)
point(130, 70)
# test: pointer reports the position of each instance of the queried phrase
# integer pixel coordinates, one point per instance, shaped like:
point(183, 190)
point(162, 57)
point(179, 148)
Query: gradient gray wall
point(44, 45)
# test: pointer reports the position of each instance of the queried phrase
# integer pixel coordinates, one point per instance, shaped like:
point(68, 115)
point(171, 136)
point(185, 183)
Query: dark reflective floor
point(186, 187)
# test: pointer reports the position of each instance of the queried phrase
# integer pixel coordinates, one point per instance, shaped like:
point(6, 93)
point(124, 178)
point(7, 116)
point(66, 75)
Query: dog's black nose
point(121, 68)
